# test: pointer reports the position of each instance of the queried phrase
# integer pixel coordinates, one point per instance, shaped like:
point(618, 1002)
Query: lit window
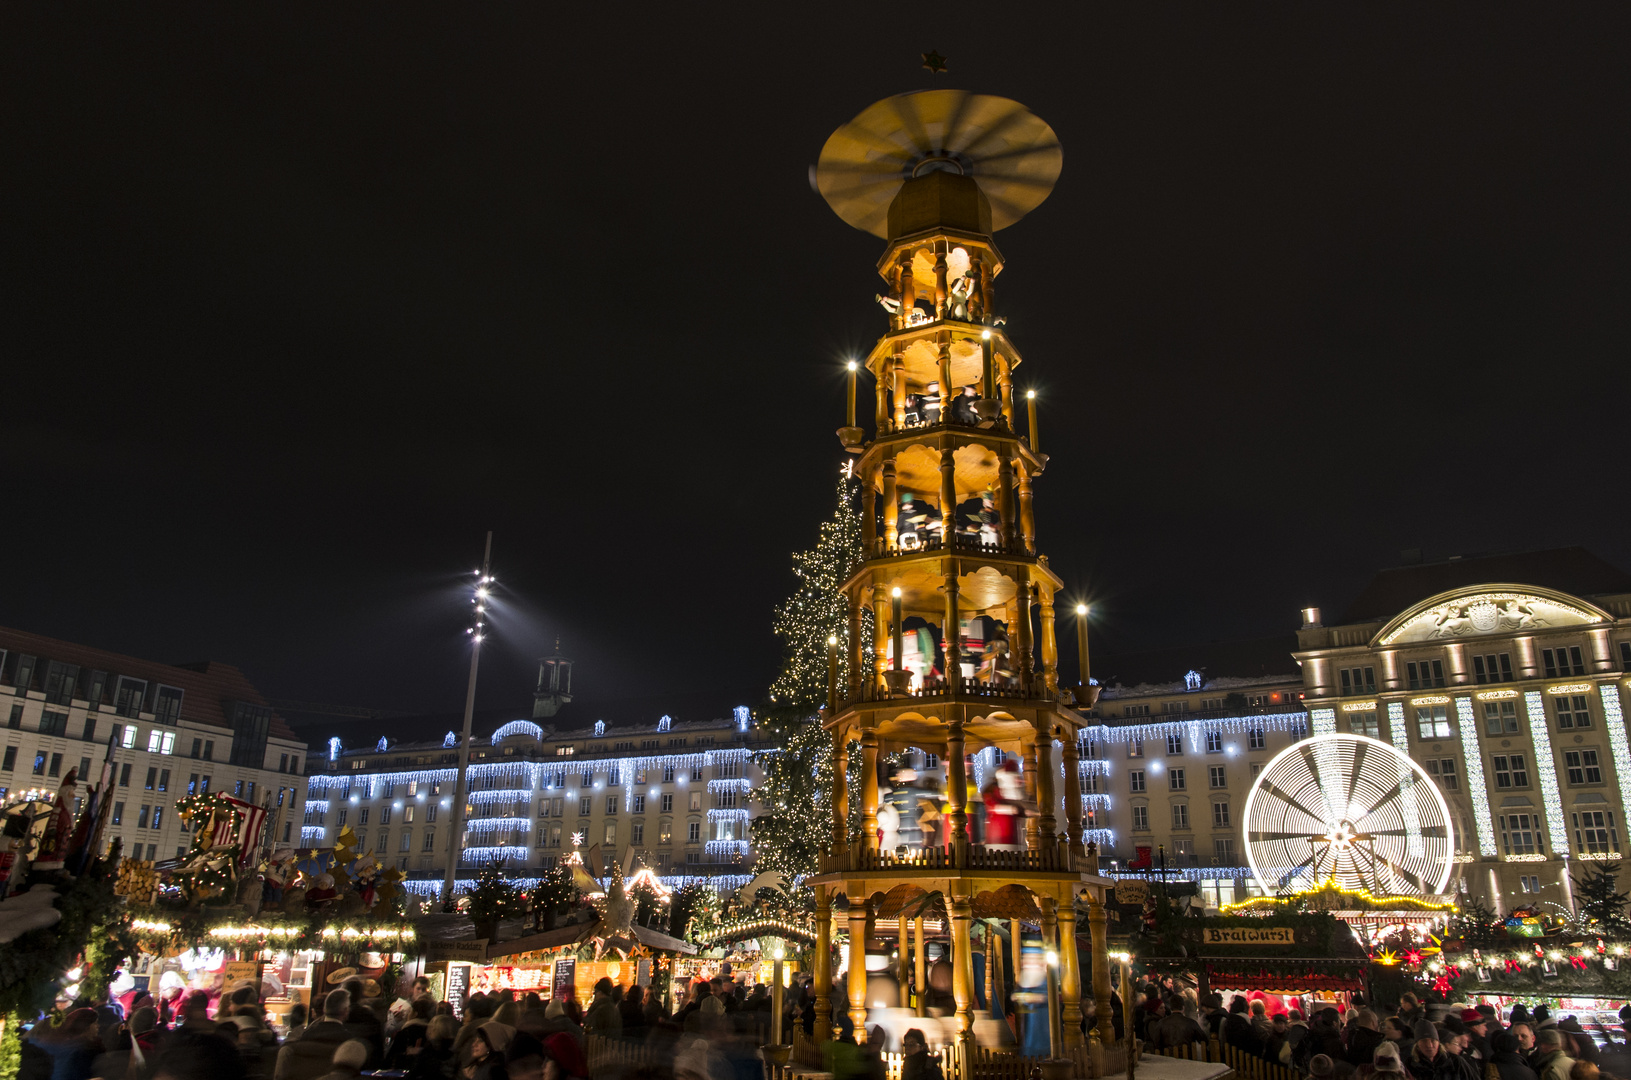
point(1500, 717)
point(1433, 722)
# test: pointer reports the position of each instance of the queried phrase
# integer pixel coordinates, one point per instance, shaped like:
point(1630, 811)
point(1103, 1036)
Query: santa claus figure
point(1004, 799)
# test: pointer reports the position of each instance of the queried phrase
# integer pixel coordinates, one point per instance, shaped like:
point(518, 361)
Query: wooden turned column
point(822, 984)
point(1071, 756)
point(1027, 515)
point(1005, 503)
point(860, 929)
point(1033, 827)
point(880, 408)
point(948, 495)
point(1098, 928)
point(840, 790)
point(1019, 635)
point(957, 793)
point(1050, 646)
point(1070, 975)
point(920, 965)
point(988, 295)
point(891, 509)
point(869, 517)
point(880, 639)
point(962, 961)
point(952, 633)
point(945, 382)
point(1047, 822)
point(869, 789)
point(897, 382)
point(908, 288)
point(940, 283)
point(1006, 385)
point(857, 657)
point(1050, 940)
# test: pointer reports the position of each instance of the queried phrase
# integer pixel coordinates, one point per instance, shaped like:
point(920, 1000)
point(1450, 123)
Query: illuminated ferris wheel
point(1349, 808)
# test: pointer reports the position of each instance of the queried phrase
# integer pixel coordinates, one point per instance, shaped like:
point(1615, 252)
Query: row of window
point(1256, 739)
point(1594, 833)
point(369, 788)
point(63, 683)
point(1570, 712)
point(1487, 668)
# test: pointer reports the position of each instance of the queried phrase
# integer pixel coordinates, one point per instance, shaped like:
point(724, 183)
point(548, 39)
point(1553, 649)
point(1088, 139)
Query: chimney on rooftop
point(1311, 618)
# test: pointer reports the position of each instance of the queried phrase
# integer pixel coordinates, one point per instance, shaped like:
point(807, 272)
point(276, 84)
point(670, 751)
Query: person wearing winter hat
point(1477, 1033)
point(1584, 1047)
point(1519, 1014)
point(1427, 1060)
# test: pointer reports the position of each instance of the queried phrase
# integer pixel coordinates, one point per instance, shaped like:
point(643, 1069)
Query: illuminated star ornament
point(934, 62)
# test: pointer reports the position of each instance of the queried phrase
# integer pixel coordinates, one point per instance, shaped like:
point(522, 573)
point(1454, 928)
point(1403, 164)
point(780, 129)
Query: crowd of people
point(1457, 1042)
point(715, 1034)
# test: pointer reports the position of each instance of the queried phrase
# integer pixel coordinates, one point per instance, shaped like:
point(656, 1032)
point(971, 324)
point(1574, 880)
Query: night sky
point(294, 308)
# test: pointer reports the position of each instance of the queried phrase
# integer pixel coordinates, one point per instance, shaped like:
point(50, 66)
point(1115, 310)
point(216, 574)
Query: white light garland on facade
point(1230, 725)
point(1614, 720)
point(727, 815)
point(317, 804)
point(1546, 766)
point(1105, 838)
point(494, 854)
point(311, 832)
point(518, 727)
point(1473, 756)
point(1400, 736)
point(495, 824)
point(1322, 721)
point(481, 798)
point(741, 784)
point(727, 847)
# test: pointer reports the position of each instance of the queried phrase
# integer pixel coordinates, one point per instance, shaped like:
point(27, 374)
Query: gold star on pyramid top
point(934, 62)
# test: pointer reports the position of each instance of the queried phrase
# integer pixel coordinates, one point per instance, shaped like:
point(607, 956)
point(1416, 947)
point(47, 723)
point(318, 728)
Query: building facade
point(677, 795)
point(173, 729)
point(1506, 679)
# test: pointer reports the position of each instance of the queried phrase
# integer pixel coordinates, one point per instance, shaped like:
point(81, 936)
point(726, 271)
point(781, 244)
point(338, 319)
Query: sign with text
point(464, 952)
point(236, 971)
point(1256, 935)
point(458, 986)
point(1132, 891)
point(566, 973)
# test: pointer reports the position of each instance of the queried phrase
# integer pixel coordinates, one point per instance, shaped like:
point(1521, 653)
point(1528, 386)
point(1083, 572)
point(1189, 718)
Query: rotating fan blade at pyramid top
point(949, 158)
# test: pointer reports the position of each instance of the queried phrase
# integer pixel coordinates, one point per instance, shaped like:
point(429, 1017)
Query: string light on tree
point(817, 609)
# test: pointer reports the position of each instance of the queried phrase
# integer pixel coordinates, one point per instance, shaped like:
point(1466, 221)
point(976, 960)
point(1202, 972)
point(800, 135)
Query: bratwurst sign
point(1255, 935)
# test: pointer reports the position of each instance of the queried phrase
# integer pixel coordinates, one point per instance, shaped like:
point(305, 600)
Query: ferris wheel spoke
point(1358, 770)
point(1408, 875)
point(1270, 788)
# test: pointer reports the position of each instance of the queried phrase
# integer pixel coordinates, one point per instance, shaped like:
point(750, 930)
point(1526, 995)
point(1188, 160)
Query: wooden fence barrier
point(1246, 1065)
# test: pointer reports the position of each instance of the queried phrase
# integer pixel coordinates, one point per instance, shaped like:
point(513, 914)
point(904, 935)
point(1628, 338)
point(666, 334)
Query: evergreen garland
point(818, 609)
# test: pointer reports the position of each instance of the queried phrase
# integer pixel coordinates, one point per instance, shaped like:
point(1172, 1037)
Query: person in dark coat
point(362, 1023)
point(1584, 1047)
point(1324, 1037)
point(1363, 1038)
point(1237, 1029)
point(1507, 1060)
point(1175, 1029)
point(1427, 1060)
point(917, 1064)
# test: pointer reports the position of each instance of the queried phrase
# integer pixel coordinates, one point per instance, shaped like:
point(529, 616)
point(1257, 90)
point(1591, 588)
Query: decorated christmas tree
point(817, 609)
point(1599, 904)
point(795, 815)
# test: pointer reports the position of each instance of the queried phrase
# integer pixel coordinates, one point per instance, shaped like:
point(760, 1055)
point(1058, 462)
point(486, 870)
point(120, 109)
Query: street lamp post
point(455, 847)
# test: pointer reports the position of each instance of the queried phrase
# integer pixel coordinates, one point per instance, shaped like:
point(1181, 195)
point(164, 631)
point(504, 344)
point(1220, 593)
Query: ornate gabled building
point(959, 595)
